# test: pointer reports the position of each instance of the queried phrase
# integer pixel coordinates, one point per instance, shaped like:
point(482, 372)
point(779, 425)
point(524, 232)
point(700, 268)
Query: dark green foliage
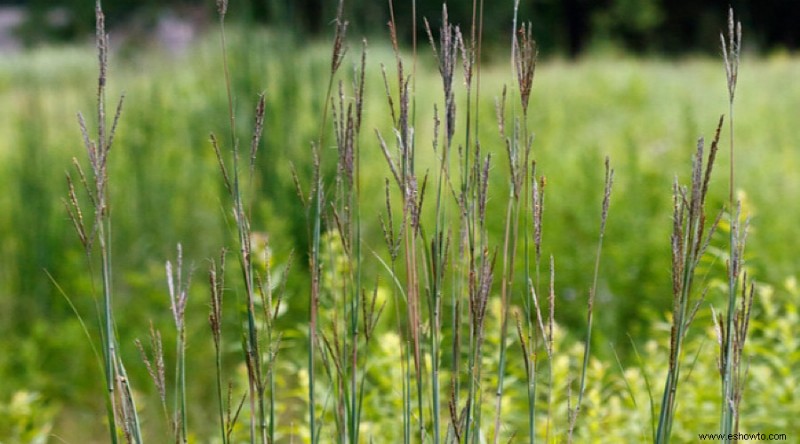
point(567, 27)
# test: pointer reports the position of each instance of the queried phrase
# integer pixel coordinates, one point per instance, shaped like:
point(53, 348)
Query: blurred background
point(565, 27)
point(638, 80)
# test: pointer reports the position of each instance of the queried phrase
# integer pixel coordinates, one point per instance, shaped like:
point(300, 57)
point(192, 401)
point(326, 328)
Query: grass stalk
point(550, 341)
point(734, 334)
point(315, 205)
point(118, 403)
point(518, 147)
point(251, 342)
point(346, 215)
point(687, 250)
point(407, 181)
point(609, 181)
point(690, 238)
point(239, 216)
point(395, 243)
point(178, 294)
point(450, 42)
point(216, 277)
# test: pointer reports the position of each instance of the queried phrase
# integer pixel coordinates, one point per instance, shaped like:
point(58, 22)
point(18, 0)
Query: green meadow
point(165, 189)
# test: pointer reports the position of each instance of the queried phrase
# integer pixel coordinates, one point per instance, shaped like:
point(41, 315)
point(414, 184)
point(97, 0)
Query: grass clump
point(690, 240)
point(441, 292)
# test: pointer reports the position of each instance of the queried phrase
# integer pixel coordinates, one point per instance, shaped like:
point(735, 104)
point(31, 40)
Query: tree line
point(560, 26)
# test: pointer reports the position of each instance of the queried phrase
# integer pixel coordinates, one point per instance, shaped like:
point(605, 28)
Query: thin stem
point(609, 180)
point(732, 68)
point(180, 376)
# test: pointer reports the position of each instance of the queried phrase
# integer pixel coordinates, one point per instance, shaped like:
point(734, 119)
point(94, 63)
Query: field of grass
point(166, 188)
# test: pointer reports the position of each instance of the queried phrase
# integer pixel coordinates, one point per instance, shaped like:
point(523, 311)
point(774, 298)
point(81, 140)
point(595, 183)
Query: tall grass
point(120, 406)
point(260, 341)
point(178, 287)
point(439, 244)
point(733, 335)
point(473, 269)
point(315, 207)
point(690, 240)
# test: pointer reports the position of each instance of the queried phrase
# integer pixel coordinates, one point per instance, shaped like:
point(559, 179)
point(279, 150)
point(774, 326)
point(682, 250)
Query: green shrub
point(26, 418)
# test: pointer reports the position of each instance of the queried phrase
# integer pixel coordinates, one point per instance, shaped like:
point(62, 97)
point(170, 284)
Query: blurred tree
point(778, 23)
point(632, 24)
point(566, 26)
point(576, 26)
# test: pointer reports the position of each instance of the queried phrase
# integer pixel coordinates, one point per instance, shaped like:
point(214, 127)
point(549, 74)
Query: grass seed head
point(525, 54)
